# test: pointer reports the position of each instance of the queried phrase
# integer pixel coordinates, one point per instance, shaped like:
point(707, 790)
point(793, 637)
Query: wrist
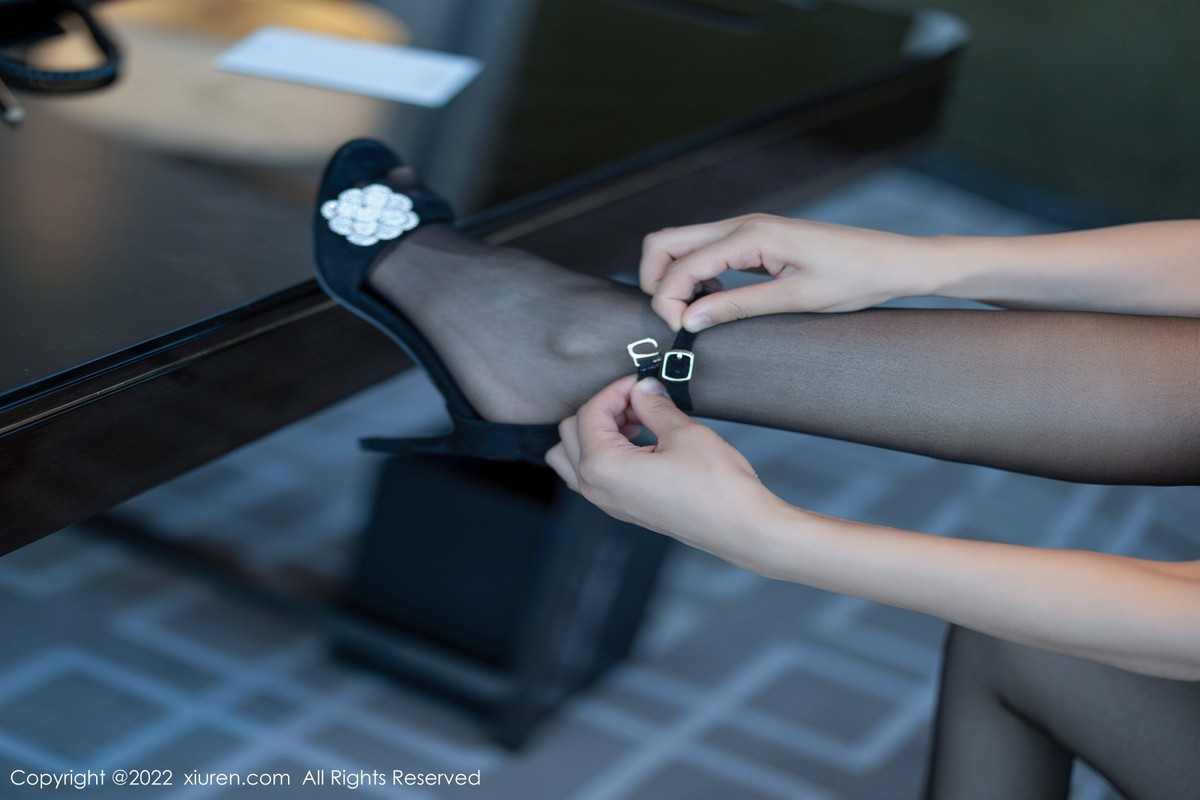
point(934, 265)
point(968, 267)
point(778, 530)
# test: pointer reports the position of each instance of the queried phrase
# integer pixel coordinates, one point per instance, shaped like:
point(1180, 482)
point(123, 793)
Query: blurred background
point(1062, 115)
point(1092, 103)
point(1091, 100)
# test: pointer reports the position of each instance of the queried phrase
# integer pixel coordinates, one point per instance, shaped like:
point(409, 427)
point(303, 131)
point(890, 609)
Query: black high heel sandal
point(358, 215)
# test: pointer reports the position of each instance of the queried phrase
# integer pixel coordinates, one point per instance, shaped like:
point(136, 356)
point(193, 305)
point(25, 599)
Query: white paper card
point(406, 74)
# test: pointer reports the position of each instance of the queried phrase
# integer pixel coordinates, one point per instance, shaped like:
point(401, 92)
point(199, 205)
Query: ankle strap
point(674, 367)
point(676, 372)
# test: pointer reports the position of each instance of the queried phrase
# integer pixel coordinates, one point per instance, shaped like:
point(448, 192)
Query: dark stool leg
point(506, 592)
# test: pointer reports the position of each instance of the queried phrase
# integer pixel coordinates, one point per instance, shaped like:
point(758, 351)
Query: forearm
point(1134, 614)
point(1147, 268)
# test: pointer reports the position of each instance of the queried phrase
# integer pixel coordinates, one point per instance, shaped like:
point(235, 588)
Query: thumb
point(655, 409)
point(755, 300)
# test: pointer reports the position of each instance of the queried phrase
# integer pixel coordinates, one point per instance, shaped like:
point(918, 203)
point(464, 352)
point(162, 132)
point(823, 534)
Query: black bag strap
point(18, 74)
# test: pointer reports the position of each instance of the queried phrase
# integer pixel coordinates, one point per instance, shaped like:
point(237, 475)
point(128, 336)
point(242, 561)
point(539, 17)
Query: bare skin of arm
point(1145, 268)
point(1131, 613)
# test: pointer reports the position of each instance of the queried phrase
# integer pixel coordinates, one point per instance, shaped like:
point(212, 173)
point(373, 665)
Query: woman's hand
point(691, 485)
point(1131, 613)
point(816, 267)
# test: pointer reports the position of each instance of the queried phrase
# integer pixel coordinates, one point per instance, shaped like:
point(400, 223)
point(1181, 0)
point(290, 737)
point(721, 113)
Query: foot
point(528, 341)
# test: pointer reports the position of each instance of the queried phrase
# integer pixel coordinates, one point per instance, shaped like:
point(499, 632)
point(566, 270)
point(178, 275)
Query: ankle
point(589, 337)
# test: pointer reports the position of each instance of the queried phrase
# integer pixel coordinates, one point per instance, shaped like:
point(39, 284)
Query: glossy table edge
point(66, 421)
point(598, 185)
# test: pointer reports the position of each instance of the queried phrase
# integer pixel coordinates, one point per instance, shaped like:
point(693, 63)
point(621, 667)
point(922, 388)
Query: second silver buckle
point(688, 355)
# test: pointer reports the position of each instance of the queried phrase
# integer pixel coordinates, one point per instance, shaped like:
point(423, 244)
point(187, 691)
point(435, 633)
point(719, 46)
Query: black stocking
point(1079, 396)
point(1011, 719)
point(1102, 398)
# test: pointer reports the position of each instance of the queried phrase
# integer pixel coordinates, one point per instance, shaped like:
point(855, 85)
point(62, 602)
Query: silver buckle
point(691, 364)
point(640, 357)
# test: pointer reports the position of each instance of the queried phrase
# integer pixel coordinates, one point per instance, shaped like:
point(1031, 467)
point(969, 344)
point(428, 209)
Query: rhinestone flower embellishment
point(371, 214)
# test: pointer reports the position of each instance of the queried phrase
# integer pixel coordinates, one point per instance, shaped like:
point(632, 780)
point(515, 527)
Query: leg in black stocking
point(1101, 398)
point(1088, 397)
point(1011, 718)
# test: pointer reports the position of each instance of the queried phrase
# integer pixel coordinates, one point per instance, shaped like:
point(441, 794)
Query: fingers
point(707, 476)
point(656, 410)
point(603, 426)
point(599, 420)
point(741, 250)
point(568, 434)
point(754, 300)
point(750, 246)
point(605, 421)
point(631, 431)
point(558, 461)
point(661, 249)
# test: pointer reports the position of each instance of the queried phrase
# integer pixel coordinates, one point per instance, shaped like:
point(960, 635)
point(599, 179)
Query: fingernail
point(697, 323)
point(651, 386)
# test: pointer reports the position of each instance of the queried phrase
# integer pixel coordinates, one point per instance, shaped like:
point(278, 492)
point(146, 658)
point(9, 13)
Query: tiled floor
point(742, 688)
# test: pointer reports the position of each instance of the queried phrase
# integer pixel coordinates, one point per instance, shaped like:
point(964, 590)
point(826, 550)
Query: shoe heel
point(432, 445)
point(481, 439)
